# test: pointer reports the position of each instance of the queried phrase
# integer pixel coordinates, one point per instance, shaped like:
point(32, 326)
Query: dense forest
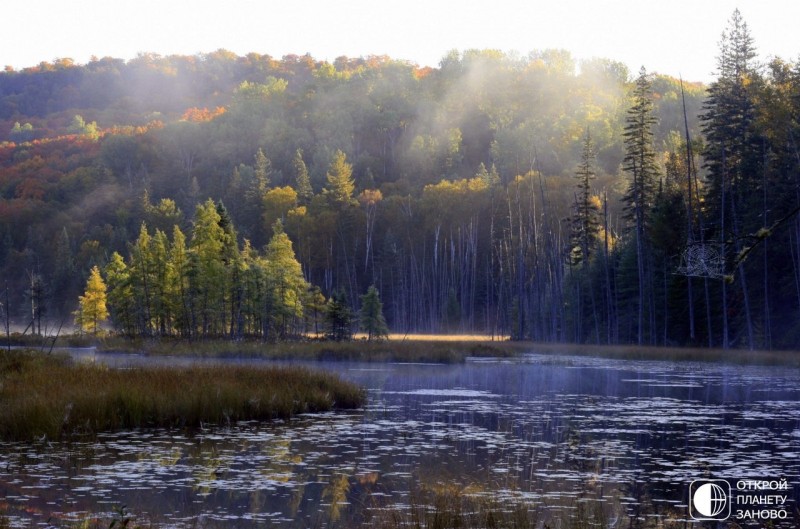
point(537, 197)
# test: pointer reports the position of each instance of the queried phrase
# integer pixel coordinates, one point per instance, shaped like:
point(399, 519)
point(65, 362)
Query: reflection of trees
point(206, 472)
point(280, 461)
point(336, 493)
point(280, 466)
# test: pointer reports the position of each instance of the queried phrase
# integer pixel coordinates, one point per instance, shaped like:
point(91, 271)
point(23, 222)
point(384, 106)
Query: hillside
point(455, 190)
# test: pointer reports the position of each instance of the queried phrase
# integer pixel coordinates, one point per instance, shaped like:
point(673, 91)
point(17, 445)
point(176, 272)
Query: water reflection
point(549, 432)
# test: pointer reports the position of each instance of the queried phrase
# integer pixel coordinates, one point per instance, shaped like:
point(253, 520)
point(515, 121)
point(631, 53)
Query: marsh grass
point(453, 507)
point(447, 352)
point(633, 352)
point(50, 396)
point(411, 348)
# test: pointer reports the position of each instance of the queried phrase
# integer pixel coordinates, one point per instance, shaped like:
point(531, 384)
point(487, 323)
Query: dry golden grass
point(435, 348)
point(49, 396)
point(443, 337)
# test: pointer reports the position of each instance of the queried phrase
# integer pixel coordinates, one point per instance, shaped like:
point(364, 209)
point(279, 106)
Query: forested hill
point(494, 193)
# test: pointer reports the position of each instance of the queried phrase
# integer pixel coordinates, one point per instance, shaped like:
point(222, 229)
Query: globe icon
point(710, 500)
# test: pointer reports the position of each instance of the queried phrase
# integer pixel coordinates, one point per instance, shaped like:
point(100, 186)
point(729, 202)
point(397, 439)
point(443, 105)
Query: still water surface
point(546, 431)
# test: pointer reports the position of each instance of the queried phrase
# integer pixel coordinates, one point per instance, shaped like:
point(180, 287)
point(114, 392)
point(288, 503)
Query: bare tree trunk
point(743, 279)
point(765, 218)
point(690, 205)
point(725, 342)
point(610, 316)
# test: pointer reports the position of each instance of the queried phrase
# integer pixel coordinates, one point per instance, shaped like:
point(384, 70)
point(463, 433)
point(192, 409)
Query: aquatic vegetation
point(446, 352)
point(437, 349)
point(551, 437)
point(50, 396)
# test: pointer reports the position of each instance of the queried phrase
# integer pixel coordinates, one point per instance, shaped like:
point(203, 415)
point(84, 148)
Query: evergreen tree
point(302, 180)
point(162, 308)
point(121, 304)
point(178, 282)
point(143, 279)
point(263, 171)
point(734, 158)
point(340, 180)
point(338, 317)
point(585, 220)
point(285, 280)
point(733, 145)
point(207, 268)
point(93, 311)
point(371, 313)
point(641, 165)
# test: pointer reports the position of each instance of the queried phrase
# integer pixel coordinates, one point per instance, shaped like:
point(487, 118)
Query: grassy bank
point(450, 351)
point(633, 352)
point(411, 348)
point(443, 351)
point(44, 395)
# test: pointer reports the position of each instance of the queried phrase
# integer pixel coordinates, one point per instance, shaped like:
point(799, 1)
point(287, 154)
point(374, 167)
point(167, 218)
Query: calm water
point(548, 432)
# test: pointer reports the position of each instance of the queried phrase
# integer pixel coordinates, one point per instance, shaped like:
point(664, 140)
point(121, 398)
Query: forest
point(536, 196)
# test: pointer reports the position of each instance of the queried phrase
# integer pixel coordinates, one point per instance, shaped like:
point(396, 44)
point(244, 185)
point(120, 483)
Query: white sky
point(667, 36)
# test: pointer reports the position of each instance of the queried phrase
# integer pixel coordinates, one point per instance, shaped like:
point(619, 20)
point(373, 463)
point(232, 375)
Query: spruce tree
point(302, 181)
point(734, 156)
point(338, 317)
point(585, 221)
point(640, 164)
point(371, 313)
point(287, 285)
point(340, 180)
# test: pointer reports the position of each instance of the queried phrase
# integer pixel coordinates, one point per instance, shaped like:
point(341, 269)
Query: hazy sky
point(667, 36)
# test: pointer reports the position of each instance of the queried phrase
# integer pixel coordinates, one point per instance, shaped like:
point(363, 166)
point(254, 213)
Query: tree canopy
point(470, 195)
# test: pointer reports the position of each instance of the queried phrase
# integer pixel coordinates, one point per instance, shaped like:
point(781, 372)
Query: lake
point(546, 431)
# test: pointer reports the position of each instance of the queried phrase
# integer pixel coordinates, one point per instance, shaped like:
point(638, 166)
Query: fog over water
point(546, 431)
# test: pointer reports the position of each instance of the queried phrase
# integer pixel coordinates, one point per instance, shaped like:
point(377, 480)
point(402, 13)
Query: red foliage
point(199, 115)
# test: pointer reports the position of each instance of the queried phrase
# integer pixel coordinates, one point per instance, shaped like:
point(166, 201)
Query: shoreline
point(403, 348)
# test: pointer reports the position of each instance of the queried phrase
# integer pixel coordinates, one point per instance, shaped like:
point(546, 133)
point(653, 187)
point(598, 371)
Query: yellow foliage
point(93, 311)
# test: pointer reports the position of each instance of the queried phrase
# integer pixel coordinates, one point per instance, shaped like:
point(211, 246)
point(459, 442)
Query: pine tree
point(338, 317)
point(206, 267)
point(121, 302)
point(371, 313)
point(178, 282)
point(340, 180)
point(142, 279)
point(640, 164)
point(734, 155)
point(93, 311)
point(286, 282)
point(263, 171)
point(302, 181)
point(585, 221)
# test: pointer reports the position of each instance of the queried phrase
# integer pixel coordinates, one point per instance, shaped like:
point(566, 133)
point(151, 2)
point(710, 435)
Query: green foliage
point(471, 164)
point(285, 282)
point(79, 126)
point(21, 133)
point(340, 180)
point(585, 220)
point(371, 314)
point(339, 317)
point(640, 156)
point(302, 180)
point(211, 288)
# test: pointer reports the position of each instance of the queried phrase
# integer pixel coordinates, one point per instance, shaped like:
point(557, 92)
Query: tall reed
point(50, 396)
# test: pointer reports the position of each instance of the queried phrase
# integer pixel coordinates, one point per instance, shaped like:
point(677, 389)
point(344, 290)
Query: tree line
point(212, 287)
point(513, 196)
